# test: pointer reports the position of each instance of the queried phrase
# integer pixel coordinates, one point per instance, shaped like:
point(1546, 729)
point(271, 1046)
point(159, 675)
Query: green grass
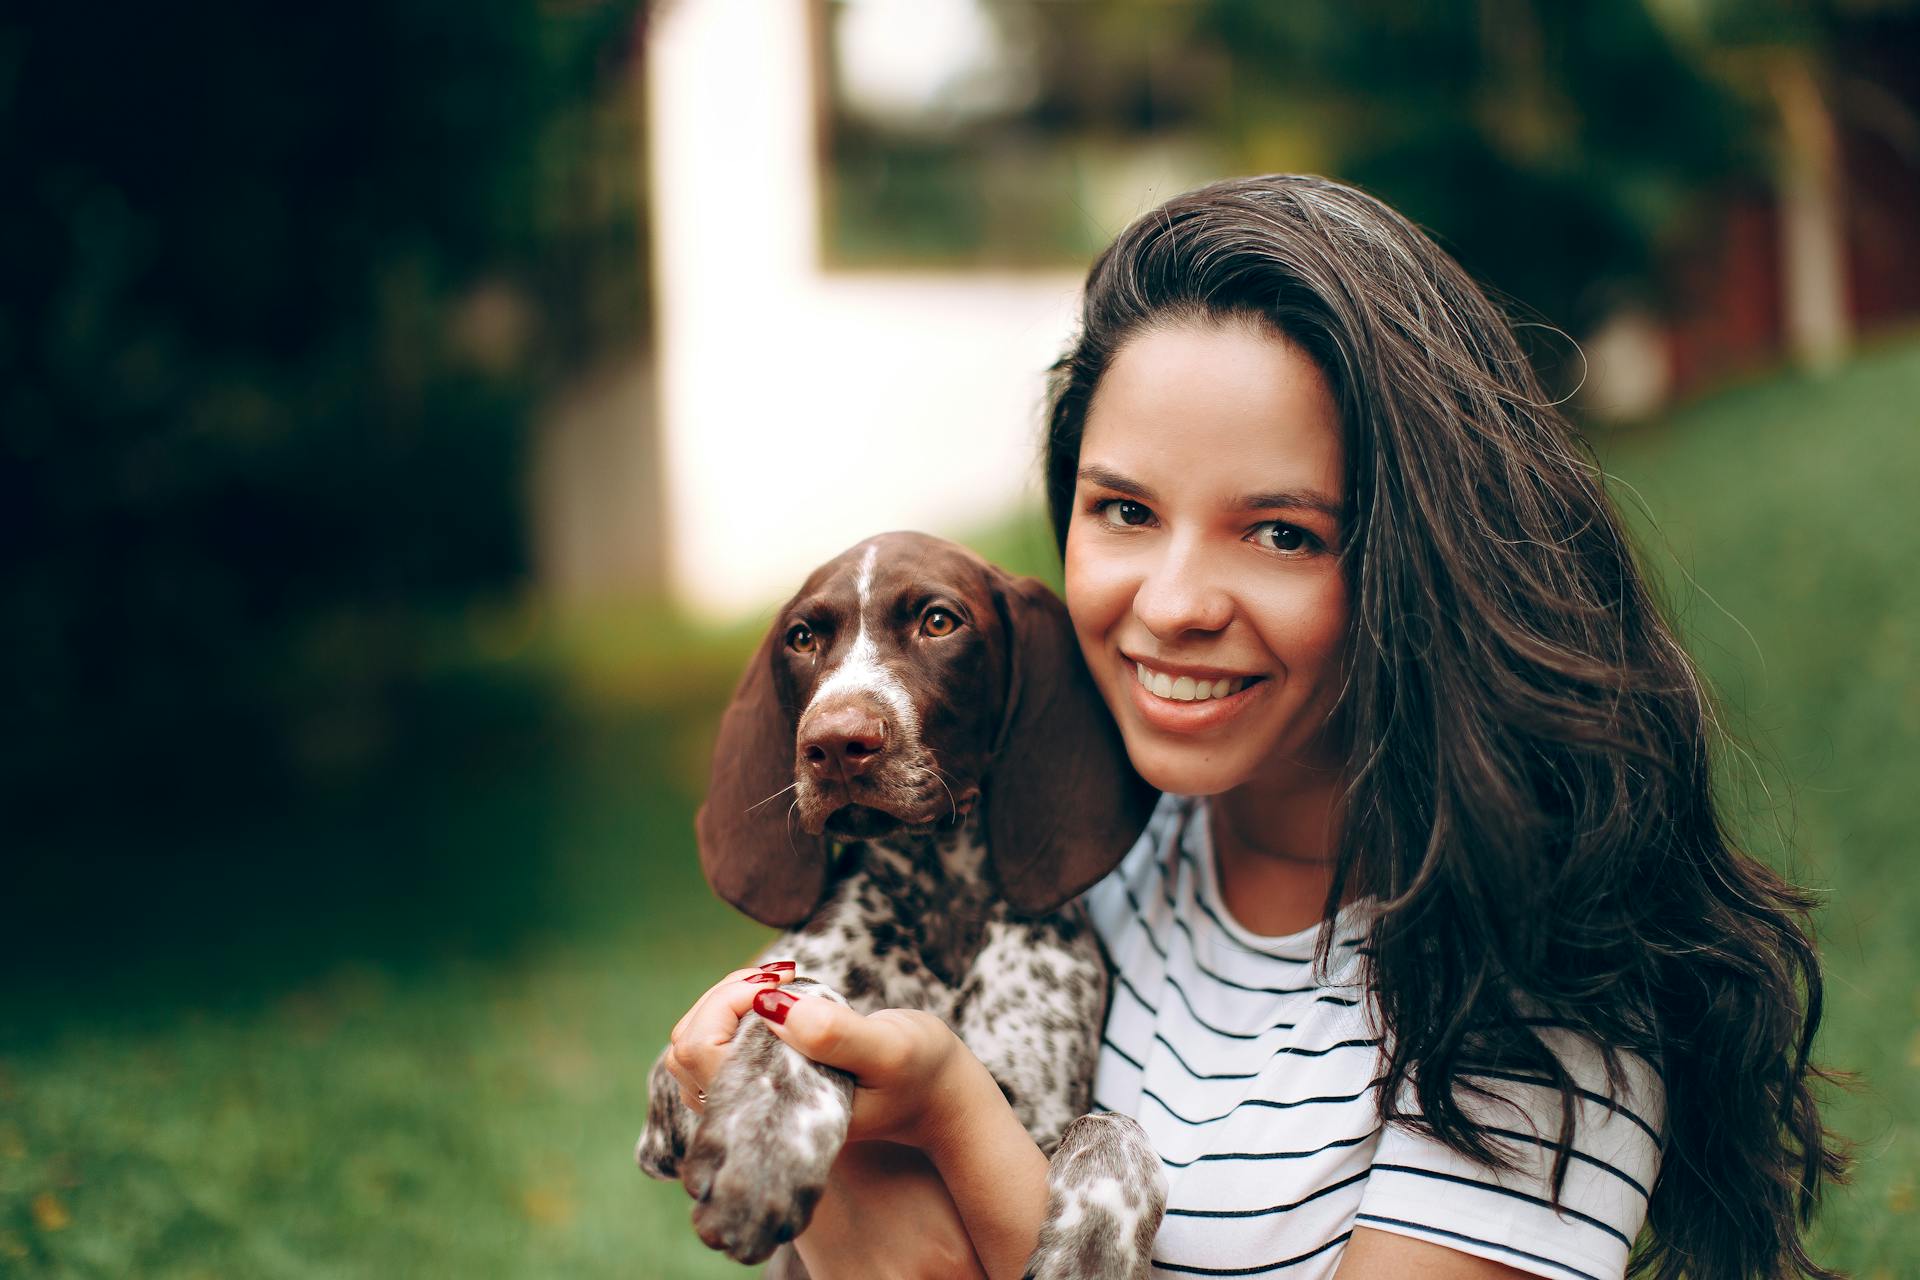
point(407, 1035)
point(1788, 538)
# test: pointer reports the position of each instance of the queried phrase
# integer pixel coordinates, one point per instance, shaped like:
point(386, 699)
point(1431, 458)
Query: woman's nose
point(1181, 593)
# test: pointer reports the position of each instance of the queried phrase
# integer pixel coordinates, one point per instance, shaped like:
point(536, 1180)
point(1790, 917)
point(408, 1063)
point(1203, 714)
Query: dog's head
point(906, 682)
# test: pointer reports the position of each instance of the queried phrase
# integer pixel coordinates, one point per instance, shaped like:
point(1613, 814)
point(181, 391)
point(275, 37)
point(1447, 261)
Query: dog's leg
point(1031, 1012)
point(1106, 1193)
point(670, 1125)
point(774, 1123)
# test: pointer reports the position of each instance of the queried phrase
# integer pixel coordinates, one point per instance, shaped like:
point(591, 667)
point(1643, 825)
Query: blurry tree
point(1809, 72)
point(282, 287)
point(1567, 153)
point(1556, 148)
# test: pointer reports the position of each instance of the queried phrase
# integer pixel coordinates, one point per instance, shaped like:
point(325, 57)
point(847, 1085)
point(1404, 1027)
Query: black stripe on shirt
point(1497, 1189)
point(1576, 1154)
point(1335, 1145)
point(1139, 914)
point(1194, 1013)
point(1133, 991)
point(1268, 1103)
point(1484, 1244)
point(1193, 955)
point(1600, 1098)
point(1106, 1042)
point(1327, 1190)
point(1154, 1009)
point(1283, 1050)
point(1254, 1271)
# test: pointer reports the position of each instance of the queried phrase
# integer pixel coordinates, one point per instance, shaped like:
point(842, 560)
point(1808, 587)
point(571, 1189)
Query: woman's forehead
point(1223, 407)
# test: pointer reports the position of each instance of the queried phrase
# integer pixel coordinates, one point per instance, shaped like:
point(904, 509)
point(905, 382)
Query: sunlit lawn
point(450, 1083)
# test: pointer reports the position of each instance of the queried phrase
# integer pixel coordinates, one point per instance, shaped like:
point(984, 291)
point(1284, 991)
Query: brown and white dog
point(955, 782)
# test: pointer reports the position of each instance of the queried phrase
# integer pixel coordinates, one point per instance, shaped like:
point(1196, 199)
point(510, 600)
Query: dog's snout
point(843, 741)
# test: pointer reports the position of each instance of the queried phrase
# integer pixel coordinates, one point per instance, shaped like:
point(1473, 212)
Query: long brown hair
point(1531, 791)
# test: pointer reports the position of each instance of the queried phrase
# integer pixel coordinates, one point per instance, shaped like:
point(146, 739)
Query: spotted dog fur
point(1105, 1194)
point(954, 788)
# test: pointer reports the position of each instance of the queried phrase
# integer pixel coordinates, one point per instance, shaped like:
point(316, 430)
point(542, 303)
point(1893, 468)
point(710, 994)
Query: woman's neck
point(1274, 851)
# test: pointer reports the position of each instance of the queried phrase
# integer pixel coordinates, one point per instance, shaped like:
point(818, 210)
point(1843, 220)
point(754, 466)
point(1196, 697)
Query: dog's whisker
point(953, 806)
point(775, 796)
point(933, 771)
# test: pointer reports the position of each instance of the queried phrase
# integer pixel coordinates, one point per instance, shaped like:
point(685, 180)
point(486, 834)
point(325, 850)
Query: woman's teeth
point(1186, 688)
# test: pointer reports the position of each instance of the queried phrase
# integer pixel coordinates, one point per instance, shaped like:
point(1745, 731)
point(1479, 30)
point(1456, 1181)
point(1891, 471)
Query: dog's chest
point(905, 925)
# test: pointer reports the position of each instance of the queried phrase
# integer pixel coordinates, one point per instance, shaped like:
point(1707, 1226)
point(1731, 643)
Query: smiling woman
point(1412, 963)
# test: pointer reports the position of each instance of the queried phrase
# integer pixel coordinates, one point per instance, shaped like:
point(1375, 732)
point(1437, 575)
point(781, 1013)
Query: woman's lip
point(1170, 716)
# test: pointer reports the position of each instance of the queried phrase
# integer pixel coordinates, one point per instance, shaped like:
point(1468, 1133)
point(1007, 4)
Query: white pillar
point(803, 409)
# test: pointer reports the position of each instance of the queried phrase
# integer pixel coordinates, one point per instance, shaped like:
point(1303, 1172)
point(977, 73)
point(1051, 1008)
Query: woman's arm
point(1382, 1255)
point(885, 1212)
point(991, 1167)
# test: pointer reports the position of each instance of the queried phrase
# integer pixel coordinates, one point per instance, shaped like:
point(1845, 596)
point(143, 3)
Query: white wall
point(802, 410)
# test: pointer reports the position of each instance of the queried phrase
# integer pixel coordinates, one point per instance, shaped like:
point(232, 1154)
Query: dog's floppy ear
point(1063, 803)
point(753, 854)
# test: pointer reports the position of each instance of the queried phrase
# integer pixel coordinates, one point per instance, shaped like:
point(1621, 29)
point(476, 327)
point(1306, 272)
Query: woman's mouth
point(1188, 688)
point(1187, 703)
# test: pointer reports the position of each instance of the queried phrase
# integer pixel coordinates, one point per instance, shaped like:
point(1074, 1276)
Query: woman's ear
point(1063, 803)
point(753, 855)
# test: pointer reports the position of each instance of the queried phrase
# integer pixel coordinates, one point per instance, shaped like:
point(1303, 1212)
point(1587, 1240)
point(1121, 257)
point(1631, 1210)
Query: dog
point(955, 782)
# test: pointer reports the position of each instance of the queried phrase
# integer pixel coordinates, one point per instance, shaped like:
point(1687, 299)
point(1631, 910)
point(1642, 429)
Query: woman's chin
point(1178, 772)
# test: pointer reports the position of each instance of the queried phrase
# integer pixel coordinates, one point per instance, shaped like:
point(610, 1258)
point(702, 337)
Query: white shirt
point(1257, 1081)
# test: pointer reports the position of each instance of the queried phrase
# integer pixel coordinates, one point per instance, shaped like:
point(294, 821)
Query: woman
point(1436, 960)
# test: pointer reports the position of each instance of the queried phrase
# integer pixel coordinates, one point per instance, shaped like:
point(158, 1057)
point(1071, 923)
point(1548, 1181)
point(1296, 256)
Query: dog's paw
point(657, 1154)
point(755, 1186)
point(670, 1125)
point(1106, 1193)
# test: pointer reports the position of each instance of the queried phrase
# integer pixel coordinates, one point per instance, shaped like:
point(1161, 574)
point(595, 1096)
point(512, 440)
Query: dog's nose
point(842, 742)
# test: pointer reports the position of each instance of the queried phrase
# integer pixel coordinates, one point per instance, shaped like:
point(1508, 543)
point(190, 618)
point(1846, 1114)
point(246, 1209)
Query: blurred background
point(410, 412)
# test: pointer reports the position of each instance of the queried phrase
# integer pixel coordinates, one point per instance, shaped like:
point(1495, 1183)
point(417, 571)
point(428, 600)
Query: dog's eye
point(800, 639)
point(938, 622)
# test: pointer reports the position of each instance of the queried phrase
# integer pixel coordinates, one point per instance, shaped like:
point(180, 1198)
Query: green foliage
point(1554, 148)
point(282, 286)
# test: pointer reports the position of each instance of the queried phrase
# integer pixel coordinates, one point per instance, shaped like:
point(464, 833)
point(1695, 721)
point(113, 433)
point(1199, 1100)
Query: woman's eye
point(1287, 538)
point(1120, 511)
point(800, 639)
point(938, 622)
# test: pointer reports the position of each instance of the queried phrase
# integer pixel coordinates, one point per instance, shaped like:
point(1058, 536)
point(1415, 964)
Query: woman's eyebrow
point(1094, 474)
point(1295, 499)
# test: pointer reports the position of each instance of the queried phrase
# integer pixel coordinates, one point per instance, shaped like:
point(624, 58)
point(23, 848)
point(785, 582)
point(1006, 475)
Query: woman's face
point(1203, 552)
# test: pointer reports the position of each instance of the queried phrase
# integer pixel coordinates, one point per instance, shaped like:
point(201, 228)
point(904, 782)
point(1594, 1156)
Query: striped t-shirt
point(1257, 1081)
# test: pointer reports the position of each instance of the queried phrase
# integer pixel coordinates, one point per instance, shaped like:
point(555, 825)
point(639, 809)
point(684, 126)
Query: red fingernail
point(773, 1004)
point(762, 977)
point(788, 965)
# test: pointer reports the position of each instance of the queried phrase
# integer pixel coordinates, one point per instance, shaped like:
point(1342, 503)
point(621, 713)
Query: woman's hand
point(903, 1062)
point(704, 1035)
